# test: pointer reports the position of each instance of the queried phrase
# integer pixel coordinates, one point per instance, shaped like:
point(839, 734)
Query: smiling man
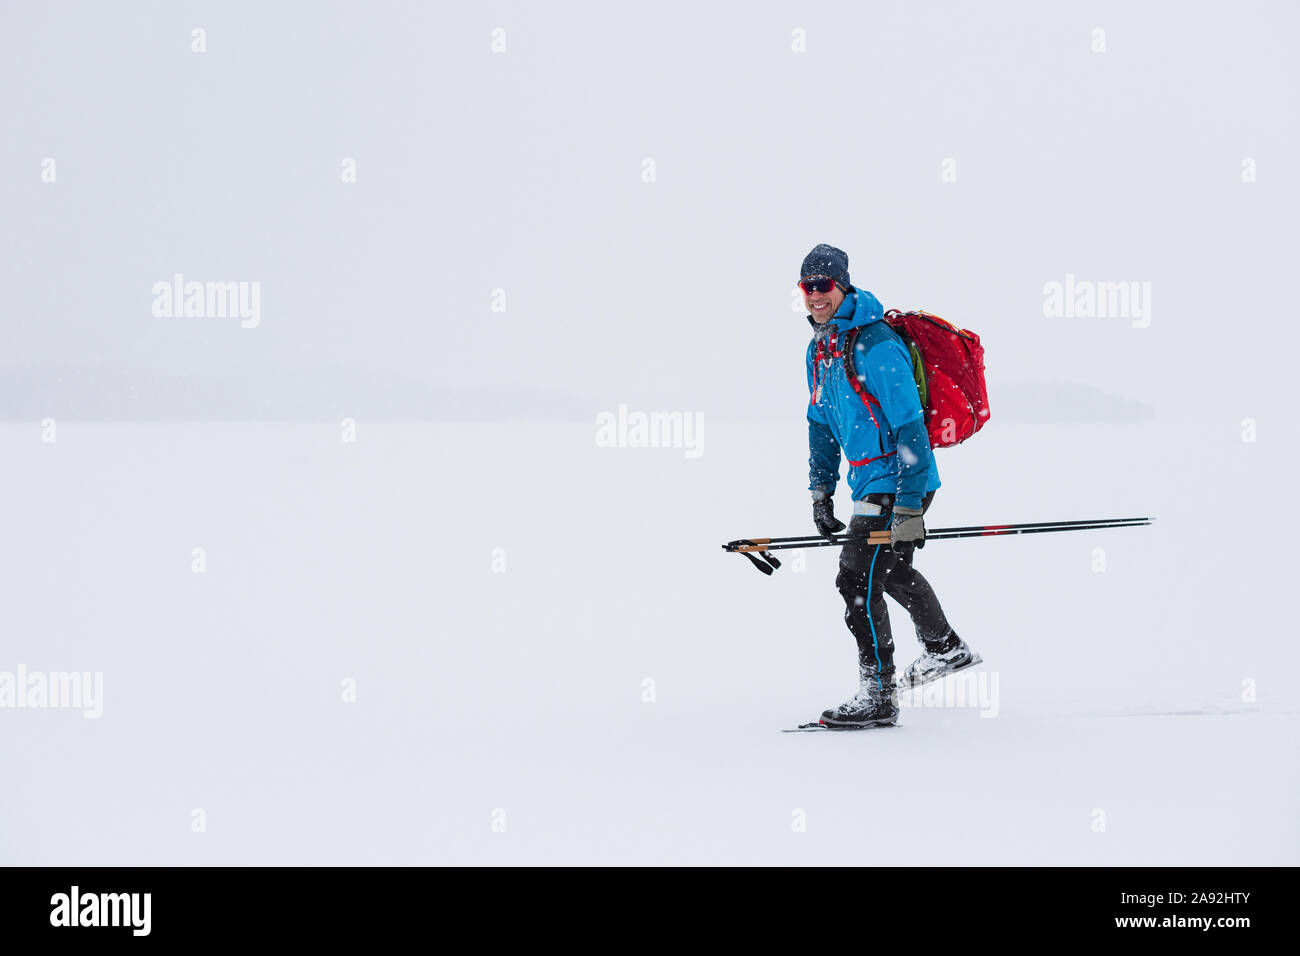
point(880, 428)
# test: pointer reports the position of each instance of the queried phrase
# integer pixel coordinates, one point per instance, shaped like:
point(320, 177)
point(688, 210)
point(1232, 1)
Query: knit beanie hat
point(827, 261)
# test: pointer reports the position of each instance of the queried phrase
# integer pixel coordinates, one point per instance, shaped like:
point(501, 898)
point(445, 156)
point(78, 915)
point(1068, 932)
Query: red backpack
point(948, 364)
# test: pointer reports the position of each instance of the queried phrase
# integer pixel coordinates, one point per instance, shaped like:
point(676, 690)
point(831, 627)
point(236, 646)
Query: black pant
point(870, 571)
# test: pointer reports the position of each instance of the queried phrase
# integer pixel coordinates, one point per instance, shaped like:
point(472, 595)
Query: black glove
point(907, 527)
point(824, 517)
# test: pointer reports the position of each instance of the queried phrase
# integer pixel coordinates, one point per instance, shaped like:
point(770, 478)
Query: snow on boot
point(874, 705)
point(933, 665)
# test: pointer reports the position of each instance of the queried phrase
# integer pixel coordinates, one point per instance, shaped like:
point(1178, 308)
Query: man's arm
point(888, 370)
point(823, 449)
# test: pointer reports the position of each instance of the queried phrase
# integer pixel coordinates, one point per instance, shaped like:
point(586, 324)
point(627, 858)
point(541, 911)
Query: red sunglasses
point(816, 284)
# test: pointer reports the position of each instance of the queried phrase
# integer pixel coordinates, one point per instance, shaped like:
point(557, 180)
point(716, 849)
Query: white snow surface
point(608, 216)
point(480, 691)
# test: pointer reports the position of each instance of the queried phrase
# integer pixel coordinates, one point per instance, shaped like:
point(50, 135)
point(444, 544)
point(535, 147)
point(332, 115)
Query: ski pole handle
point(762, 544)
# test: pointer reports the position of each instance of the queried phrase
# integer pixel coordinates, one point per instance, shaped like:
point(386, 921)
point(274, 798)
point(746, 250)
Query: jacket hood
point(859, 308)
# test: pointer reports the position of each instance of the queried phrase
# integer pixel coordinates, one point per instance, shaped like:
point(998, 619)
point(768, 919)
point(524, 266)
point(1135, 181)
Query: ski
point(817, 726)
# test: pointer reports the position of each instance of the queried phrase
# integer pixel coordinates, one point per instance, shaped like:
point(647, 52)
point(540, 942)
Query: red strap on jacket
point(867, 460)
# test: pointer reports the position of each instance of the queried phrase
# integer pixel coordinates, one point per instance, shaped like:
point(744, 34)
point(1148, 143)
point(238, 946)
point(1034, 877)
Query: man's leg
point(863, 571)
point(908, 587)
point(861, 584)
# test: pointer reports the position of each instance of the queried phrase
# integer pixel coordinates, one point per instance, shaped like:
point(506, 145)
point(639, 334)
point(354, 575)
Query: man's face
point(822, 305)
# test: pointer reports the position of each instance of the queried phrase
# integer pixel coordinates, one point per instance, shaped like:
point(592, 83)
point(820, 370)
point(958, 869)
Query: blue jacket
point(886, 443)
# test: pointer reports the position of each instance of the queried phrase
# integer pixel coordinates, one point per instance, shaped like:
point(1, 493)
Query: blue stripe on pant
point(875, 645)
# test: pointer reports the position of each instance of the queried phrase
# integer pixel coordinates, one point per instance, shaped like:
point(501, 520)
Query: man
point(892, 476)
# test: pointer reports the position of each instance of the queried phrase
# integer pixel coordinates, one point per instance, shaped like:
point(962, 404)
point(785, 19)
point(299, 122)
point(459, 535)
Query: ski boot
point(874, 705)
point(932, 665)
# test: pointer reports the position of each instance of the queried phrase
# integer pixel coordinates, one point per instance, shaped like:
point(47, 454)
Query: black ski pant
point(870, 571)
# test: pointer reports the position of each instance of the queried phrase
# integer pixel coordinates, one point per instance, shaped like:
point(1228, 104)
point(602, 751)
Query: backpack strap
point(918, 365)
point(851, 373)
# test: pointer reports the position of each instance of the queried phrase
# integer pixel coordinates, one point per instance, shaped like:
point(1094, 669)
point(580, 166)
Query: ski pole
point(939, 534)
point(977, 529)
point(748, 547)
point(948, 533)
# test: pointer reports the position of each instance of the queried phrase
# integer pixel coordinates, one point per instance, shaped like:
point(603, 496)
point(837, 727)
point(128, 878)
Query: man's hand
point(824, 516)
point(907, 527)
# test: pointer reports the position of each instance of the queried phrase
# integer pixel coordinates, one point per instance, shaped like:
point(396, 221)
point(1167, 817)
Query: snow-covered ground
point(1144, 714)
